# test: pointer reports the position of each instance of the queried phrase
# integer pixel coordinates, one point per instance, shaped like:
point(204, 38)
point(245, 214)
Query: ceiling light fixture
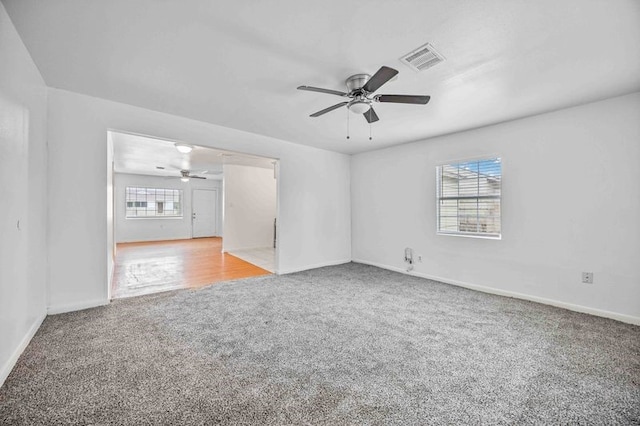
point(359, 106)
point(184, 179)
point(184, 148)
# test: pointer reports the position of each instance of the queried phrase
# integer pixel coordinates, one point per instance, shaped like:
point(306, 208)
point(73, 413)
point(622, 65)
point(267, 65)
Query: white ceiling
point(237, 63)
point(143, 155)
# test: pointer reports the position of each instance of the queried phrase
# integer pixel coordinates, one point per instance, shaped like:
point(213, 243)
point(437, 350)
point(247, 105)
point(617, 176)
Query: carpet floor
point(350, 344)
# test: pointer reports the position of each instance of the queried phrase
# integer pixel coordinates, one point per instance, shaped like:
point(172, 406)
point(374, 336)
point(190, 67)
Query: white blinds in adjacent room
point(469, 198)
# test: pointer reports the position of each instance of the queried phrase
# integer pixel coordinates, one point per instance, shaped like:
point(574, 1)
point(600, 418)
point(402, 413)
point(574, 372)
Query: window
point(153, 202)
point(469, 198)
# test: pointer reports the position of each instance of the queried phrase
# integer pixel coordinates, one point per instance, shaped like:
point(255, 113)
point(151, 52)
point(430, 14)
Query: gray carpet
point(351, 344)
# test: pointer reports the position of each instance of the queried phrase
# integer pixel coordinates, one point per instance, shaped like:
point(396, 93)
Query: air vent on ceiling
point(422, 58)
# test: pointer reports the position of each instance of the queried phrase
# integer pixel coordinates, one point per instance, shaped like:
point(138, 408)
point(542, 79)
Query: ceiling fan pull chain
point(369, 128)
point(347, 124)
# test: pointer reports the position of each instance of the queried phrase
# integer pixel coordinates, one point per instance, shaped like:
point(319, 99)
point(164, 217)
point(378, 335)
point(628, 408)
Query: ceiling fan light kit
point(184, 148)
point(359, 106)
point(360, 91)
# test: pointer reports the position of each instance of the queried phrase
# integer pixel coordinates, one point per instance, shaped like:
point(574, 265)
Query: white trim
point(77, 306)
point(276, 236)
point(155, 217)
point(314, 266)
point(570, 306)
point(154, 240)
point(13, 359)
point(112, 270)
point(470, 235)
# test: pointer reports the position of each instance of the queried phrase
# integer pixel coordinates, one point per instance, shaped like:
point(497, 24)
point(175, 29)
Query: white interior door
point(203, 218)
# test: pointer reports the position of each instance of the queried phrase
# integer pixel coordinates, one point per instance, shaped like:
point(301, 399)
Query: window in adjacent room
point(153, 202)
point(469, 198)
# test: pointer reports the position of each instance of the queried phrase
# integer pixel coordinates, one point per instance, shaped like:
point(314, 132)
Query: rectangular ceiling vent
point(422, 58)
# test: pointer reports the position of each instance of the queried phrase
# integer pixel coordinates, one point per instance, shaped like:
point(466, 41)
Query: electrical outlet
point(420, 258)
point(587, 277)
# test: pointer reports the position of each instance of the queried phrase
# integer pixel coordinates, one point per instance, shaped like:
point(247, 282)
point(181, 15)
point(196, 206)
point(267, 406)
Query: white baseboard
point(77, 306)
point(152, 240)
point(112, 268)
point(229, 250)
point(314, 266)
point(11, 362)
point(570, 306)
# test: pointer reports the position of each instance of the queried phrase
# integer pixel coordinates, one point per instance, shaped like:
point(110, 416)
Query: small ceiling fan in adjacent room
point(360, 93)
point(185, 175)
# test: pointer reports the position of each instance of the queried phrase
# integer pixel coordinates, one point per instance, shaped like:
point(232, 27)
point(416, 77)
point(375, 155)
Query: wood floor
point(149, 267)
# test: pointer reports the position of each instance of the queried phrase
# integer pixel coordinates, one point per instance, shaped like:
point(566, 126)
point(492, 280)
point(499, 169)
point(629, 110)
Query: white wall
point(314, 199)
point(158, 229)
point(571, 203)
point(23, 171)
point(249, 207)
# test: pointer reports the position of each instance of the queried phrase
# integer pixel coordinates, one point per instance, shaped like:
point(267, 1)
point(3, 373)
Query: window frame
point(181, 201)
point(464, 234)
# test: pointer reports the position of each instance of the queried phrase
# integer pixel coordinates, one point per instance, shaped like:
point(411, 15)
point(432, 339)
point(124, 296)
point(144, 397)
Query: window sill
point(154, 217)
point(480, 236)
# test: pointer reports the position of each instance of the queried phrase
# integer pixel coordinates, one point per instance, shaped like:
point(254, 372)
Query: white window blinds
point(469, 198)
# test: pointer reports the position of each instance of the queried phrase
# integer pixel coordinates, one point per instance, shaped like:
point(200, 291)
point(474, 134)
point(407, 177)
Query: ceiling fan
point(185, 175)
point(360, 92)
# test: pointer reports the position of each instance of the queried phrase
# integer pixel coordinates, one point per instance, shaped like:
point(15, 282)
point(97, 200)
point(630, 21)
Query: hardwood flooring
point(150, 267)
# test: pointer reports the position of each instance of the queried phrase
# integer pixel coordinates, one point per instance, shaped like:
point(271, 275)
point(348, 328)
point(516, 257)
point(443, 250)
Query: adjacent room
point(408, 212)
point(180, 209)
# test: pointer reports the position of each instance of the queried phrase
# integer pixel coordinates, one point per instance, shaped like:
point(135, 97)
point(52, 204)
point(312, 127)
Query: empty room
point(438, 204)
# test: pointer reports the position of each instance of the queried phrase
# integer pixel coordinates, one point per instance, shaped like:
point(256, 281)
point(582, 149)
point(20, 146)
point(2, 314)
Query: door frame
point(111, 228)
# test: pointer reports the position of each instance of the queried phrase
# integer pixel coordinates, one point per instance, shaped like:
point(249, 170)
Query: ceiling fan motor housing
point(357, 81)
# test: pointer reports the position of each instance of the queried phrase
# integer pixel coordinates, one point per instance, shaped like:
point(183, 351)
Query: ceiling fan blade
point(383, 75)
point(196, 177)
point(326, 110)
point(318, 89)
point(371, 116)
point(403, 99)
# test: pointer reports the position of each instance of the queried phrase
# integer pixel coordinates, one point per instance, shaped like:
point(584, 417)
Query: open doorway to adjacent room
point(186, 216)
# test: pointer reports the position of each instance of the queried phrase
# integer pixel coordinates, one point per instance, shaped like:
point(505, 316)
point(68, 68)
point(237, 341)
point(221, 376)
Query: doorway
point(168, 215)
point(250, 207)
